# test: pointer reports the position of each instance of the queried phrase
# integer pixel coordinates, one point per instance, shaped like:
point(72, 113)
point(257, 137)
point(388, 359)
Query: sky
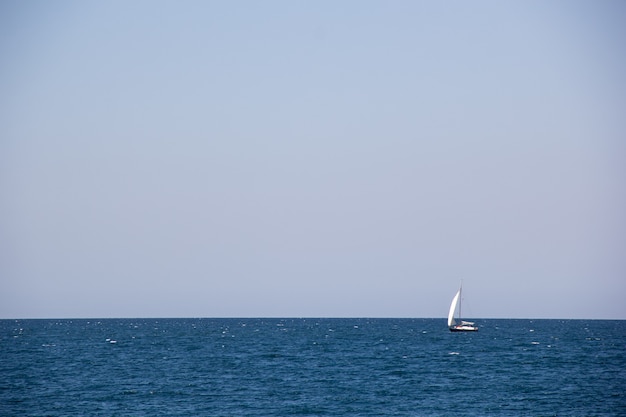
point(312, 159)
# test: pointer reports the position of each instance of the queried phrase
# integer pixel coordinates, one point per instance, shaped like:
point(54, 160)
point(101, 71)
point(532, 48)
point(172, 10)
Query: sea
point(311, 367)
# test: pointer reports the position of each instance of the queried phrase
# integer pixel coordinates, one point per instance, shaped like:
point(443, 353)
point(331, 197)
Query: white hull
point(463, 329)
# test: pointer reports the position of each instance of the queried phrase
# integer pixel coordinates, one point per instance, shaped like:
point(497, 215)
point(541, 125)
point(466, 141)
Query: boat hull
point(463, 329)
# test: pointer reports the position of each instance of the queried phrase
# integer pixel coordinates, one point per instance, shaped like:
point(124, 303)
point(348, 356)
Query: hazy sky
point(312, 158)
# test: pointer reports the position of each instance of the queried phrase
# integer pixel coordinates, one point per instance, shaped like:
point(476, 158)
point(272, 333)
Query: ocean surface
point(311, 367)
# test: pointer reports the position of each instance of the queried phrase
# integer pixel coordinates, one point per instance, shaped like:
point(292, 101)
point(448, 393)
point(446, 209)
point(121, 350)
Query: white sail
point(455, 300)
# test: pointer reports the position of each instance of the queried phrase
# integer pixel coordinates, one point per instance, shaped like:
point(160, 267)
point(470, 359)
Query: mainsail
point(455, 302)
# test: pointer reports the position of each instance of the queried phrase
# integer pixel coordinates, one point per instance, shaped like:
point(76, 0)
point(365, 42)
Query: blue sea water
point(311, 367)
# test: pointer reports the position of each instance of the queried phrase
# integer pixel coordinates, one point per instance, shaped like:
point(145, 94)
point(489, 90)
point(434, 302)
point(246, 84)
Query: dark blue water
point(311, 367)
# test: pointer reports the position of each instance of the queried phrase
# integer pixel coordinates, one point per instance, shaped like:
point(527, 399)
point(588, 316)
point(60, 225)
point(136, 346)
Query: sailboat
point(453, 325)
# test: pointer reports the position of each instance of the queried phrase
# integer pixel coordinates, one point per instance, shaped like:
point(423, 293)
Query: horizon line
point(294, 318)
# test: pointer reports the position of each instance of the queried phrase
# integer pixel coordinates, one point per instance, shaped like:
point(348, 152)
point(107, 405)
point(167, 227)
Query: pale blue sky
point(322, 158)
